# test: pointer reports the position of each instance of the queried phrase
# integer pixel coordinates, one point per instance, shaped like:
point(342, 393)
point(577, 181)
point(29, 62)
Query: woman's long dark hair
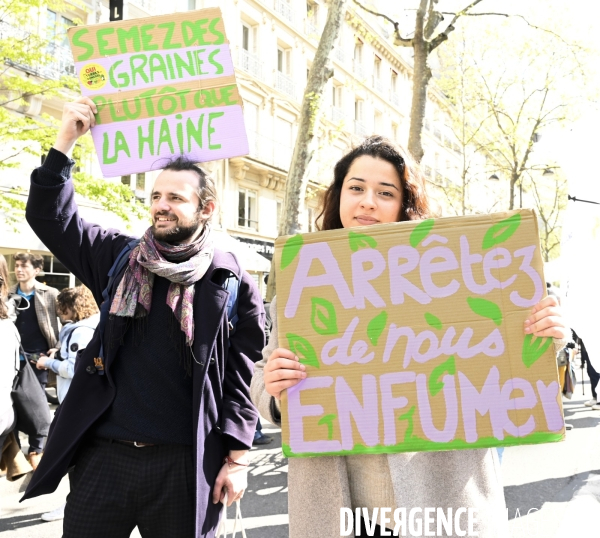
point(415, 205)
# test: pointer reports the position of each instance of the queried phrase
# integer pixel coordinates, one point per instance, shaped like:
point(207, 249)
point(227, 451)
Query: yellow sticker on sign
point(93, 76)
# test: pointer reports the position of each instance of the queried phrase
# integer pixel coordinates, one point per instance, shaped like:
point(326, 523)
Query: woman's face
point(371, 193)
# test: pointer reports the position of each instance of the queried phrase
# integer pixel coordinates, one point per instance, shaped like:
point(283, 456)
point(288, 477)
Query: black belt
point(136, 444)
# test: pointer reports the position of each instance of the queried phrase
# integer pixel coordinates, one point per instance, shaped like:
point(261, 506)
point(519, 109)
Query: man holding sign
point(158, 419)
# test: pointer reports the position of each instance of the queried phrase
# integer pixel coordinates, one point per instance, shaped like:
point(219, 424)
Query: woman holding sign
point(378, 183)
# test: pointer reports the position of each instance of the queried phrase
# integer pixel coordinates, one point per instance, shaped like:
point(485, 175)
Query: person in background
point(78, 312)
point(378, 182)
point(259, 437)
point(591, 372)
point(38, 326)
point(9, 357)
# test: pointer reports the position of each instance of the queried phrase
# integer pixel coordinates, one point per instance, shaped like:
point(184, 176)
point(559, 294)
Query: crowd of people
point(162, 364)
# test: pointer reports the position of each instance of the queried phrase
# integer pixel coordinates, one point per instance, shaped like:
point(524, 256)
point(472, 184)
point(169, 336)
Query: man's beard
point(179, 234)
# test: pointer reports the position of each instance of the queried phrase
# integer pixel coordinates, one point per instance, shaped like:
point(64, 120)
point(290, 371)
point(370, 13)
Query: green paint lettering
point(78, 42)
point(226, 96)
point(133, 35)
point(170, 66)
point(142, 140)
point(141, 60)
point(157, 65)
point(194, 133)
point(100, 104)
point(149, 104)
point(167, 104)
point(114, 112)
point(220, 37)
point(147, 38)
point(180, 64)
point(138, 108)
point(103, 49)
point(123, 77)
point(188, 33)
point(120, 145)
point(167, 44)
point(164, 136)
point(200, 30)
point(212, 61)
point(180, 133)
point(182, 94)
point(213, 116)
point(200, 61)
point(204, 99)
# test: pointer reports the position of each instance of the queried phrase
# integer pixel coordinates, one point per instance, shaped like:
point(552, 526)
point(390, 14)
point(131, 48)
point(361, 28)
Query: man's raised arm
point(85, 249)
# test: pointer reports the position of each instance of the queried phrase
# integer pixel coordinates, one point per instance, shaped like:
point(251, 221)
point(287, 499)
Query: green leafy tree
point(34, 70)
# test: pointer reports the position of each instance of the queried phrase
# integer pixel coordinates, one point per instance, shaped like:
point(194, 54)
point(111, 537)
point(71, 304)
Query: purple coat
point(221, 399)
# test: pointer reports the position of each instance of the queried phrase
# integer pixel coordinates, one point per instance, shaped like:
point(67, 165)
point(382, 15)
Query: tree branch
point(440, 38)
point(398, 39)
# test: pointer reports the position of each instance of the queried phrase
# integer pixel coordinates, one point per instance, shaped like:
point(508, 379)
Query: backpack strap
point(229, 282)
point(116, 269)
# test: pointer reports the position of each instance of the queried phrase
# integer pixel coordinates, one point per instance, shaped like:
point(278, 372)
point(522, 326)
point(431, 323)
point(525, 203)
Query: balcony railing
point(285, 9)
point(338, 115)
point(378, 85)
point(250, 63)
point(285, 84)
point(265, 149)
point(359, 70)
point(60, 60)
point(360, 128)
point(339, 55)
point(394, 98)
point(310, 29)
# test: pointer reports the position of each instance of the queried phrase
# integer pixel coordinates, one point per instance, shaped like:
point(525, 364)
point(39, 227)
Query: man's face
point(174, 209)
point(24, 271)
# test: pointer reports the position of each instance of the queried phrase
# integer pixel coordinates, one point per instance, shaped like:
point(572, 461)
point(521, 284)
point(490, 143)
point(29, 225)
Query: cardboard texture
point(413, 337)
point(164, 86)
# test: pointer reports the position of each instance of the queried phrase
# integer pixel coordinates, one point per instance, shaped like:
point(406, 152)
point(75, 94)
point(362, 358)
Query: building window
point(247, 209)
point(248, 59)
point(336, 96)
point(358, 53)
point(248, 38)
point(283, 60)
point(312, 11)
point(126, 180)
point(55, 274)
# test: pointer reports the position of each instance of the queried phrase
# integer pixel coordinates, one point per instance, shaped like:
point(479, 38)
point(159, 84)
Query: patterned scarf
point(183, 265)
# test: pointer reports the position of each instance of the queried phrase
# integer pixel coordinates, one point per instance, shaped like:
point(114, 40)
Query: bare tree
point(550, 195)
point(297, 180)
point(426, 38)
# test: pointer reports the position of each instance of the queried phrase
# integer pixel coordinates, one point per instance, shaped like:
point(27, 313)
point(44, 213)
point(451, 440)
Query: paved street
point(551, 490)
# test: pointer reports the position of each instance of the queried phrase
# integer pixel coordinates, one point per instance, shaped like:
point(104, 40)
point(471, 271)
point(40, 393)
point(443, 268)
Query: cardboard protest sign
point(164, 86)
point(413, 337)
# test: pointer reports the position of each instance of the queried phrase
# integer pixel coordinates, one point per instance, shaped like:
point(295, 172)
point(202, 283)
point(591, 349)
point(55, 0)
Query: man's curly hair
point(80, 300)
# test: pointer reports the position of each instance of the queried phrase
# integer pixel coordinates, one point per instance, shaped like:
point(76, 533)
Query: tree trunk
point(513, 181)
point(421, 77)
point(297, 180)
